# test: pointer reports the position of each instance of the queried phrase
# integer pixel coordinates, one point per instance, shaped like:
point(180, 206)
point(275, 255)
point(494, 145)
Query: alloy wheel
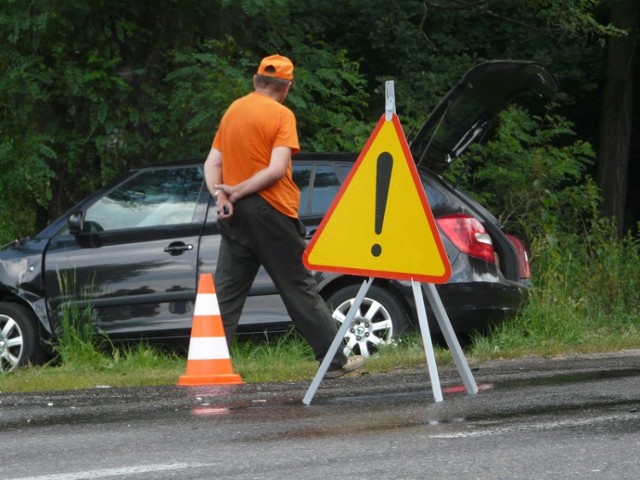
point(11, 344)
point(371, 327)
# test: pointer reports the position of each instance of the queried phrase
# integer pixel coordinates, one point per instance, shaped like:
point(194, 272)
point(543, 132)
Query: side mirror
point(75, 222)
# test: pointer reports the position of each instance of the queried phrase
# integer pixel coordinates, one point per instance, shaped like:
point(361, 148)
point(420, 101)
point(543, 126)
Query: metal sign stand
point(337, 342)
point(436, 306)
point(450, 337)
point(445, 327)
point(426, 342)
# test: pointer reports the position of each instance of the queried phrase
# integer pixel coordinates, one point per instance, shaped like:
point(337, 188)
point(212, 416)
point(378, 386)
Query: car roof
point(299, 157)
point(326, 157)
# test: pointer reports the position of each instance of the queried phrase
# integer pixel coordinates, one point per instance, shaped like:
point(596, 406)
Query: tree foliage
point(536, 187)
point(92, 88)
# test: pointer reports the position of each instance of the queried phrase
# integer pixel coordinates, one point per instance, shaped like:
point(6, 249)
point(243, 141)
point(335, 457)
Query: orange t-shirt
point(249, 130)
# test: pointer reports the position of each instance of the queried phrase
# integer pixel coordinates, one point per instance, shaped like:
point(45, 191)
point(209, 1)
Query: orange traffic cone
point(208, 362)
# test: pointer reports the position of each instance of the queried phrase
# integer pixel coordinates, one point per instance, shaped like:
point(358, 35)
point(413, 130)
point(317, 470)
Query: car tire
point(379, 320)
point(19, 340)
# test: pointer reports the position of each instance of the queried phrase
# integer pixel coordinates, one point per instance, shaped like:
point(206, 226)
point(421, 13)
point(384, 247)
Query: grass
point(279, 359)
point(286, 358)
point(585, 299)
point(142, 366)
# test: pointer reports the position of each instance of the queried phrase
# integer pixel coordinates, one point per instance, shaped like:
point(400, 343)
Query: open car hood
point(466, 113)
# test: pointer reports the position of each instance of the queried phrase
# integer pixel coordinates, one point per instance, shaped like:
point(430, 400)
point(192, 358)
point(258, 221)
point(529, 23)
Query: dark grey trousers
point(257, 234)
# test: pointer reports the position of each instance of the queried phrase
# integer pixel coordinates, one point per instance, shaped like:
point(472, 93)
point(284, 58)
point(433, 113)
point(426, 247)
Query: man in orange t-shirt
point(248, 171)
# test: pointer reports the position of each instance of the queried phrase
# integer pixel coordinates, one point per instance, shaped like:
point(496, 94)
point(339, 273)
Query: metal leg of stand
point(337, 342)
point(451, 339)
point(426, 341)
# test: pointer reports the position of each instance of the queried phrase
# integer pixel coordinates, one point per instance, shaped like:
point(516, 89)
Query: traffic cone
point(208, 362)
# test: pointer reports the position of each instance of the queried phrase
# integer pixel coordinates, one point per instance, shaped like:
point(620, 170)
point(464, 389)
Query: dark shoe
point(353, 363)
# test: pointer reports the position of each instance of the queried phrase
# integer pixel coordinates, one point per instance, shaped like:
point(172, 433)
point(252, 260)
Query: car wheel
point(19, 341)
point(376, 323)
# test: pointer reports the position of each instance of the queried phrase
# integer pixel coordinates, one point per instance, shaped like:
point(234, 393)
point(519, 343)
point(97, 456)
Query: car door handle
point(177, 248)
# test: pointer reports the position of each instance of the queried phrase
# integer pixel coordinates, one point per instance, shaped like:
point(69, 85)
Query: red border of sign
point(425, 205)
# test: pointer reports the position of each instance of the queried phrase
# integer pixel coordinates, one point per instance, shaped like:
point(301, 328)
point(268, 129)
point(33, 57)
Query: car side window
point(165, 196)
point(318, 186)
point(325, 188)
point(343, 171)
point(302, 178)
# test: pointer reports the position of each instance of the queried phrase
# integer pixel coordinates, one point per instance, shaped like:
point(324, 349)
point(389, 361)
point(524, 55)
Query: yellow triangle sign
point(380, 223)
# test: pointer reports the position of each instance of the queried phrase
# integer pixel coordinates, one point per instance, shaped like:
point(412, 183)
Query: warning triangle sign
point(380, 223)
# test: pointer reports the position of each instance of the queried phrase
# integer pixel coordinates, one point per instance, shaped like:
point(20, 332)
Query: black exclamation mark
point(383, 179)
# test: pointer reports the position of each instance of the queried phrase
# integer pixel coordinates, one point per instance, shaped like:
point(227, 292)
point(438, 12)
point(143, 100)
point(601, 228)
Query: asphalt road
point(564, 418)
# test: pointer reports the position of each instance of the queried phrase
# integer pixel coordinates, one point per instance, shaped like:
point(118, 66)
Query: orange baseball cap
point(276, 66)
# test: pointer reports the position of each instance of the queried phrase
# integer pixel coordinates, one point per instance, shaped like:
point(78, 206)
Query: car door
point(135, 262)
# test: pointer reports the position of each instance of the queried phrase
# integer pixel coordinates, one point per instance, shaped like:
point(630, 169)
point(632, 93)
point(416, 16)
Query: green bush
point(586, 281)
point(531, 176)
point(586, 297)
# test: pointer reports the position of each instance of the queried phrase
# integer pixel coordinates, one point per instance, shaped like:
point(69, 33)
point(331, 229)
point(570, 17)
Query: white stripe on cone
point(208, 348)
point(206, 304)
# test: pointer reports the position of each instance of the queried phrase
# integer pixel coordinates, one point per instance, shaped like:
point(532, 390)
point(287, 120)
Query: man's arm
point(213, 169)
point(212, 177)
point(277, 168)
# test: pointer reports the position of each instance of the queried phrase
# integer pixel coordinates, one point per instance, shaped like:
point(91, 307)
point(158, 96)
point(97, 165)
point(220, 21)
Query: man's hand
point(223, 202)
point(227, 195)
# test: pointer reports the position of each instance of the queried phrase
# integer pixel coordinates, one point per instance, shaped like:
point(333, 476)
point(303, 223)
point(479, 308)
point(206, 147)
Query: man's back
point(250, 129)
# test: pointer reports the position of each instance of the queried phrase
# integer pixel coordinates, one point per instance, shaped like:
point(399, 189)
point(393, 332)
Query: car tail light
point(468, 235)
point(523, 258)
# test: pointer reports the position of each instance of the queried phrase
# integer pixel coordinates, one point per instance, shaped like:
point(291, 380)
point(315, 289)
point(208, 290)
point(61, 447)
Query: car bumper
point(478, 306)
